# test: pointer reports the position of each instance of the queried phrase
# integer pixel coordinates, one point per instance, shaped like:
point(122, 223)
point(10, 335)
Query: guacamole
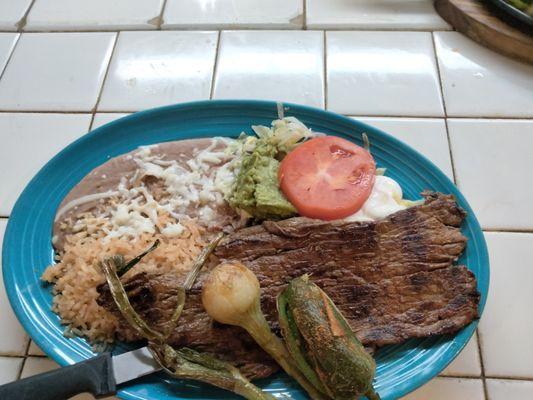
point(256, 188)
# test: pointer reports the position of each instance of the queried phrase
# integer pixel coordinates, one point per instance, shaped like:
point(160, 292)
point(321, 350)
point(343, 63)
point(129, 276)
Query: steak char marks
point(393, 280)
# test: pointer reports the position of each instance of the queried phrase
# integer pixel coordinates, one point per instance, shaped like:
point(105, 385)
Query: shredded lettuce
point(285, 133)
point(256, 189)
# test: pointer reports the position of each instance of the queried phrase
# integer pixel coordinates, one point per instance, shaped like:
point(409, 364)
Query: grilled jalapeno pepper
point(321, 342)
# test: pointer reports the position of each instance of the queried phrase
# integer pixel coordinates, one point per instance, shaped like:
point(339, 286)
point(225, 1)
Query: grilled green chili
point(322, 343)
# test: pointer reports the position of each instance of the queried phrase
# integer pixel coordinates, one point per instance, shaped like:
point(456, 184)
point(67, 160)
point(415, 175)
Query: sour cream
point(385, 199)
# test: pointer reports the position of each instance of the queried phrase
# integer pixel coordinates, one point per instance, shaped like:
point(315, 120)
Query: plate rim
point(9, 275)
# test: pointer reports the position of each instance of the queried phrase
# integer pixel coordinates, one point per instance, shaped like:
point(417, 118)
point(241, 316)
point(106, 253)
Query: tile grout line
point(441, 117)
point(93, 115)
point(492, 377)
point(14, 111)
point(510, 378)
point(21, 24)
point(160, 22)
point(304, 11)
point(510, 230)
point(99, 97)
point(215, 65)
point(457, 376)
point(470, 377)
point(454, 172)
point(3, 71)
point(483, 377)
point(208, 27)
point(403, 117)
point(325, 55)
point(24, 360)
point(8, 355)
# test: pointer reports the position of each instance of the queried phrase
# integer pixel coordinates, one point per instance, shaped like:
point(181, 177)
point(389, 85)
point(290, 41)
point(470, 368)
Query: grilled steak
point(392, 279)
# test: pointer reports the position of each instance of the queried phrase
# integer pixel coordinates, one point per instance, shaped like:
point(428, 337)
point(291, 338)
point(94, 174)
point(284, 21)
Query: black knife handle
point(94, 376)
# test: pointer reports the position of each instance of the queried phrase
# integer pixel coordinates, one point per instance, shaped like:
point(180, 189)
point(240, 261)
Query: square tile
point(493, 162)
point(151, 69)
point(56, 71)
point(271, 65)
point(7, 44)
point(39, 365)
point(35, 350)
point(9, 369)
point(94, 15)
point(11, 12)
point(428, 136)
point(449, 389)
point(104, 118)
point(479, 82)
point(467, 362)
point(499, 389)
point(382, 73)
point(373, 14)
point(14, 339)
point(506, 325)
point(28, 142)
point(217, 14)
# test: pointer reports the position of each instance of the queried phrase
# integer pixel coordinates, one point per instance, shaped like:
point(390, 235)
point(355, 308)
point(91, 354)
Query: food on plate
point(182, 363)
point(256, 190)
point(172, 192)
point(187, 363)
point(231, 295)
point(327, 177)
point(386, 262)
point(323, 344)
point(392, 279)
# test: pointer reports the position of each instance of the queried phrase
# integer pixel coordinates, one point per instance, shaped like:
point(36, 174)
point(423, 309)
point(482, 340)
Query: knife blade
point(133, 364)
point(99, 375)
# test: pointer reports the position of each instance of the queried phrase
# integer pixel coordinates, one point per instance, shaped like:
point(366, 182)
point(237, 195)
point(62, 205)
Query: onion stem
point(187, 363)
point(136, 260)
point(189, 281)
point(231, 295)
point(200, 261)
point(258, 328)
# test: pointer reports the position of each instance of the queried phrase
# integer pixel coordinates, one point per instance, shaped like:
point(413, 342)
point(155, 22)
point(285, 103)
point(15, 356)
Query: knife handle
point(94, 376)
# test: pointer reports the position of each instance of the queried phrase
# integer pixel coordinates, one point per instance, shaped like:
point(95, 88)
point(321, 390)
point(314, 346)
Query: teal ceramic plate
point(27, 249)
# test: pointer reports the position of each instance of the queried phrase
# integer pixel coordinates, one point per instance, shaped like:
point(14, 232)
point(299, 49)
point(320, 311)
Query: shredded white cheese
point(127, 221)
point(173, 230)
point(194, 184)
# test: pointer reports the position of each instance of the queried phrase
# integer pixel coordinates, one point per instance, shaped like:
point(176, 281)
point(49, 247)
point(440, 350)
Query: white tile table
point(174, 67)
point(67, 66)
point(373, 73)
point(271, 65)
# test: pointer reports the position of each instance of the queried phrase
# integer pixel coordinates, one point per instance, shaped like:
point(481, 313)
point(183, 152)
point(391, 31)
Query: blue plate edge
point(6, 257)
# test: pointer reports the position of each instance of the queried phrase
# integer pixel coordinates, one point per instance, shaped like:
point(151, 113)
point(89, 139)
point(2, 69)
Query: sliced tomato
point(327, 177)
